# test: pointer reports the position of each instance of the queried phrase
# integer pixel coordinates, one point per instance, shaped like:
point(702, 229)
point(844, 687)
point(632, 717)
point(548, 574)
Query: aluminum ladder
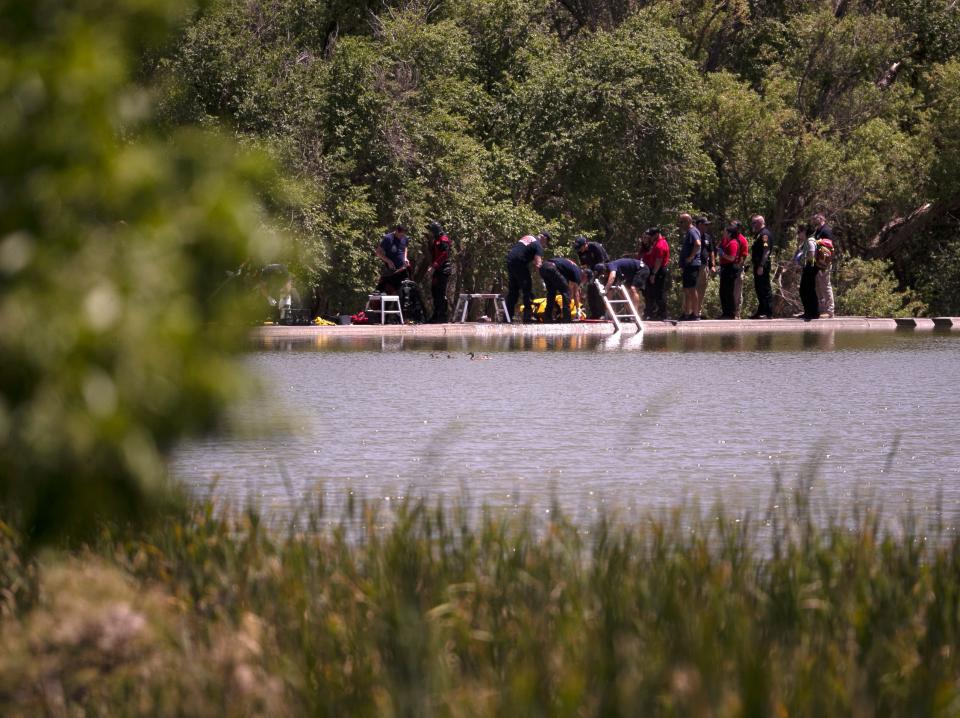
point(462, 309)
point(384, 299)
point(615, 307)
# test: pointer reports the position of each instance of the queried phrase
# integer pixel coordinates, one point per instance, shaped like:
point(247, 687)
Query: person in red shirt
point(730, 270)
point(655, 253)
point(439, 271)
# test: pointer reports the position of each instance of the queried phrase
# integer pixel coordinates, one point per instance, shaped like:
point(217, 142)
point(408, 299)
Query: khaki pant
point(702, 286)
point(738, 293)
point(825, 292)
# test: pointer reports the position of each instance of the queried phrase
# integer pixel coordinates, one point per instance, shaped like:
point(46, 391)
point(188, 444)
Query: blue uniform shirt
point(593, 254)
point(569, 270)
point(525, 250)
point(393, 247)
point(626, 268)
point(689, 239)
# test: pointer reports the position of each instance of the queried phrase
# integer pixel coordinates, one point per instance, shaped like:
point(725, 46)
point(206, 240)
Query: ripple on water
point(652, 425)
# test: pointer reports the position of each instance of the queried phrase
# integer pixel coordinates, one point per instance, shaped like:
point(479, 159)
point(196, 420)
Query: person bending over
point(560, 276)
point(590, 254)
point(527, 249)
point(629, 272)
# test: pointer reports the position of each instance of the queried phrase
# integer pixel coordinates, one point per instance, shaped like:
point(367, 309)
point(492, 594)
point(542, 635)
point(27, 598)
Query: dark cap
point(580, 241)
point(653, 231)
point(599, 268)
point(400, 228)
point(435, 228)
point(702, 219)
point(545, 236)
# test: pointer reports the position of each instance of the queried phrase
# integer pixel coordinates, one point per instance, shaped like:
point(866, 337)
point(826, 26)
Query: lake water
point(630, 424)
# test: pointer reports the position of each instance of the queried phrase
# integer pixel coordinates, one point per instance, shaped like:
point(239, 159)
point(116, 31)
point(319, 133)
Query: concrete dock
point(268, 333)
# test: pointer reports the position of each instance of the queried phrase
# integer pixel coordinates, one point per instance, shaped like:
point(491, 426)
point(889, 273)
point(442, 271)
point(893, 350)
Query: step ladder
point(384, 299)
point(462, 309)
point(620, 307)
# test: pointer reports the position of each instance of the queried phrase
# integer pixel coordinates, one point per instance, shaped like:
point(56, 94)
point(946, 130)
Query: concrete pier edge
point(707, 326)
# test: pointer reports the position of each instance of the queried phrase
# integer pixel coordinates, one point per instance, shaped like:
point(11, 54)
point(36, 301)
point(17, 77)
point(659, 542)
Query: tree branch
point(900, 231)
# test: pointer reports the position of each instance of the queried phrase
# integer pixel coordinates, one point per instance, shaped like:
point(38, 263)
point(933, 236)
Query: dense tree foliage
point(601, 117)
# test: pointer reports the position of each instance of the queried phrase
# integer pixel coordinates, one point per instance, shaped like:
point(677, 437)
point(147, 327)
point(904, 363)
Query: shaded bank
point(429, 611)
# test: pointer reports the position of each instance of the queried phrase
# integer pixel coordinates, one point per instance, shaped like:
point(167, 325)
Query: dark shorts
point(690, 275)
point(641, 278)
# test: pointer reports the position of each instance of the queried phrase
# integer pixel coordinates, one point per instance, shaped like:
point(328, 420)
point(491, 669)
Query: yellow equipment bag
point(539, 307)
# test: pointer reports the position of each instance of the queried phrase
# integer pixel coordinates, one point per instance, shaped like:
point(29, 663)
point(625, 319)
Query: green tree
point(737, 122)
point(117, 318)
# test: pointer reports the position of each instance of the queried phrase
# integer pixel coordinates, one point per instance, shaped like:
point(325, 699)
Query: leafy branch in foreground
point(117, 324)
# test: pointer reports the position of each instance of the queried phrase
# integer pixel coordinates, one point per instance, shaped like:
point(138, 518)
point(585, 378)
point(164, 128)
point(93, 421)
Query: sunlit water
point(589, 423)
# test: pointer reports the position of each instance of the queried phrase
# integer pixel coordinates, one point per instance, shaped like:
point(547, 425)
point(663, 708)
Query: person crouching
point(563, 277)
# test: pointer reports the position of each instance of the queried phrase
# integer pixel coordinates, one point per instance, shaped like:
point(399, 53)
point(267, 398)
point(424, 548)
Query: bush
point(117, 317)
point(868, 288)
point(938, 279)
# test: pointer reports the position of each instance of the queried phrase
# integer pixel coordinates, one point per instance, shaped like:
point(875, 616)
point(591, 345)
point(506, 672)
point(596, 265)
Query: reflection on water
point(630, 422)
point(671, 342)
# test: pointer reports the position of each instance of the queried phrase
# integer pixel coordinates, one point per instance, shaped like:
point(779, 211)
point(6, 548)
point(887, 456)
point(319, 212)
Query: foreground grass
point(440, 615)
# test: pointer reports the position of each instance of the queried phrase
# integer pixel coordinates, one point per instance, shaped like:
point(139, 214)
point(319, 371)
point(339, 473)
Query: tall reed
point(429, 611)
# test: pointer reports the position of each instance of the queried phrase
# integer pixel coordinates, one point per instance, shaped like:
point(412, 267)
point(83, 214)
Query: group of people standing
point(645, 274)
point(392, 252)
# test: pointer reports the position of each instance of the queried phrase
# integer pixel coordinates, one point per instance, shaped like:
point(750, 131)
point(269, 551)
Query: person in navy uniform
point(760, 258)
point(563, 277)
point(628, 272)
point(690, 256)
point(392, 251)
point(708, 260)
point(591, 254)
point(527, 249)
point(438, 271)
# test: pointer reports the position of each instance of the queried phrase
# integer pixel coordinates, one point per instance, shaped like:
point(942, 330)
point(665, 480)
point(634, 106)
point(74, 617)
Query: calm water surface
point(630, 424)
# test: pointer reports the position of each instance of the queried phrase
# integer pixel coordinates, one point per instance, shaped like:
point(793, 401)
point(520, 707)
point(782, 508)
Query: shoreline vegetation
point(150, 148)
point(429, 611)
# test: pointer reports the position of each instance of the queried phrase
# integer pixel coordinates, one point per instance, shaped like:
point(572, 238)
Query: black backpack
point(411, 301)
